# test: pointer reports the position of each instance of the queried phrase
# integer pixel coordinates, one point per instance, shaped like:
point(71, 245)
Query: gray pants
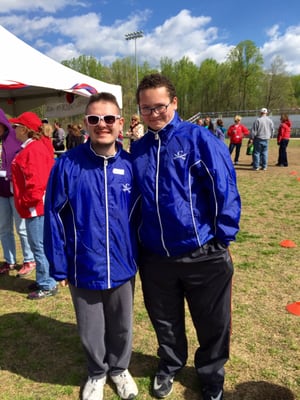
point(104, 319)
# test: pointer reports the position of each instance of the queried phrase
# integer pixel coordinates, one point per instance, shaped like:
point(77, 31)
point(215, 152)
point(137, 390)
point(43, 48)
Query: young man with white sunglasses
point(90, 244)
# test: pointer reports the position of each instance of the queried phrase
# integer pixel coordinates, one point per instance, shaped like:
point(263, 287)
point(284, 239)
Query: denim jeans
point(35, 231)
point(9, 216)
point(260, 153)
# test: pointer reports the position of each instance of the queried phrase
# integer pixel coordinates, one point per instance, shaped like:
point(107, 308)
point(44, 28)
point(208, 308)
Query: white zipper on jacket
point(107, 223)
point(156, 196)
point(191, 203)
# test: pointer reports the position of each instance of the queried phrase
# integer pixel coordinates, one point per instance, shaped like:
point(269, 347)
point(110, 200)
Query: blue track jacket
point(89, 203)
point(188, 187)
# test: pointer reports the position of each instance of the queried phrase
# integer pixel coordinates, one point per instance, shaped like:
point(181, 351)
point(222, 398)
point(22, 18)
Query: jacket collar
point(166, 131)
point(101, 157)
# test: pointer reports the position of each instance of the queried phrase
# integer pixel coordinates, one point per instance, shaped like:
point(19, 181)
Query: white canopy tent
point(29, 79)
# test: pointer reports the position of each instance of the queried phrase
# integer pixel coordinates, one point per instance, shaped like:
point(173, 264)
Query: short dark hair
point(102, 96)
point(156, 81)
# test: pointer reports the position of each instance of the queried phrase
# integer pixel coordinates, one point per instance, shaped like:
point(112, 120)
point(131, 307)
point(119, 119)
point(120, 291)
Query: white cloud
point(273, 31)
point(29, 29)
point(181, 35)
point(64, 52)
point(286, 45)
point(50, 6)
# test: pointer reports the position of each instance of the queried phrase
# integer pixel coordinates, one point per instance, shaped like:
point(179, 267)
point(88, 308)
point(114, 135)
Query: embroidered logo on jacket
point(126, 187)
point(180, 154)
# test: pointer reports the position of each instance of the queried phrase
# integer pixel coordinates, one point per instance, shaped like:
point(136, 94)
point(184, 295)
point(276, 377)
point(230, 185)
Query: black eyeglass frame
point(161, 109)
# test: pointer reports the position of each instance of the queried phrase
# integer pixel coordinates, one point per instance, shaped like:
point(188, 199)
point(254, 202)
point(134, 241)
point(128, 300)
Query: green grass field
point(41, 357)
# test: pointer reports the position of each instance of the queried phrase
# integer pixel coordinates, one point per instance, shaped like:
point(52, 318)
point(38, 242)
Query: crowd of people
point(9, 217)
point(167, 206)
point(259, 135)
point(28, 145)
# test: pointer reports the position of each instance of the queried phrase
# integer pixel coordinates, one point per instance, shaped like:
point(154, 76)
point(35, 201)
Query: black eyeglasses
point(157, 110)
point(94, 120)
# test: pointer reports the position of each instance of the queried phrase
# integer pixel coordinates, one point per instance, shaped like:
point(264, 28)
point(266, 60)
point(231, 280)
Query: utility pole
point(134, 36)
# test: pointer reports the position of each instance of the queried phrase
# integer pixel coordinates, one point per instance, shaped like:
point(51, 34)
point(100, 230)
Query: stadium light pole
point(134, 36)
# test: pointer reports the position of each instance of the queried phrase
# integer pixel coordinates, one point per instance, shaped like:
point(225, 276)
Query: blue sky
point(198, 29)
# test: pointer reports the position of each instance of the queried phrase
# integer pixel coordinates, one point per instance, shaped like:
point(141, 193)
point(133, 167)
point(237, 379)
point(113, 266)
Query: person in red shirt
point(9, 218)
point(283, 137)
point(236, 133)
point(30, 172)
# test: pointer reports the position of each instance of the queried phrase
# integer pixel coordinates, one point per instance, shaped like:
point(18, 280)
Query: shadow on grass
point(253, 390)
point(43, 349)
point(14, 284)
point(260, 390)
point(245, 391)
point(46, 350)
point(145, 366)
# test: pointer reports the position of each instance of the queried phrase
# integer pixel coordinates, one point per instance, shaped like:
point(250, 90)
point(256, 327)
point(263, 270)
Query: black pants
point(237, 147)
point(282, 156)
point(204, 280)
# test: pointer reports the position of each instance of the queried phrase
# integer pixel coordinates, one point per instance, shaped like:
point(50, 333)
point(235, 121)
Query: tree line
point(238, 83)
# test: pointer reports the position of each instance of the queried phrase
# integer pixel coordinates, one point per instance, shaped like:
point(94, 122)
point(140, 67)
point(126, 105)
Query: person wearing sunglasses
point(236, 133)
point(90, 243)
point(190, 213)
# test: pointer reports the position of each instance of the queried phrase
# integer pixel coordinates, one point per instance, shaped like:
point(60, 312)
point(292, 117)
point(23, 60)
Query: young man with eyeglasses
point(190, 214)
point(90, 243)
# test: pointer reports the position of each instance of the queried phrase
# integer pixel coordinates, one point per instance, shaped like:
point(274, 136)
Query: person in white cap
point(262, 131)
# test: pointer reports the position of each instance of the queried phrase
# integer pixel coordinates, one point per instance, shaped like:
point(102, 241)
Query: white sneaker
point(93, 389)
point(126, 387)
